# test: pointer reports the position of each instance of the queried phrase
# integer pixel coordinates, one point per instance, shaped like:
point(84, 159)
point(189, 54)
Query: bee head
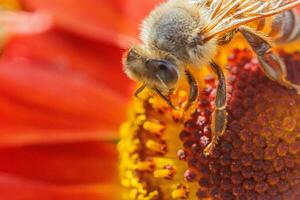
point(159, 73)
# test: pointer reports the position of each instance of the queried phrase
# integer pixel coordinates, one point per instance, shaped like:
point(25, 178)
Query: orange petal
point(59, 87)
point(100, 62)
point(68, 164)
point(35, 98)
point(94, 19)
point(113, 21)
point(23, 23)
point(10, 4)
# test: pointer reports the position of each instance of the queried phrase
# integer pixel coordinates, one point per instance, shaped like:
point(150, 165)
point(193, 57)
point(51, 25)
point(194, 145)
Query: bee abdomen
point(285, 27)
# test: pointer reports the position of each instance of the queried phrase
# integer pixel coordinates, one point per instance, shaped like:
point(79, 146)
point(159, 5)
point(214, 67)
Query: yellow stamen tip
point(178, 114)
point(168, 173)
point(182, 192)
point(162, 173)
point(156, 147)
point(153, 127)
point(133, 194)
point(145, 166)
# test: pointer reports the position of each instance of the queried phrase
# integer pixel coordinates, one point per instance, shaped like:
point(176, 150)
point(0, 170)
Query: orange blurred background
point(63, 95)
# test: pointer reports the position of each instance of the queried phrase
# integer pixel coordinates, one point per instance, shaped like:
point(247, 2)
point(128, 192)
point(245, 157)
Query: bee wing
point(228, 15)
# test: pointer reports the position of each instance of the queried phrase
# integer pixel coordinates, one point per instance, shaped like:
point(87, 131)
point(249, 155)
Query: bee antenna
point(162, 82)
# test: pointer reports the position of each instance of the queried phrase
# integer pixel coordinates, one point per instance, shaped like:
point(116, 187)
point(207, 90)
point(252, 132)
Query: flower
point(257, 158)
point(60, 108)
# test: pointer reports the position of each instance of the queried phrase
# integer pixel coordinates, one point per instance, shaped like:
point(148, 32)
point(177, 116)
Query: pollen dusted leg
point(272, 65)
point(139, 90)
point(193, 89)
point(166, 99)
point(219, 116)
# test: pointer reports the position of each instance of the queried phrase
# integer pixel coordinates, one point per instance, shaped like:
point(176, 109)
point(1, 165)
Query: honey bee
point(180, 34)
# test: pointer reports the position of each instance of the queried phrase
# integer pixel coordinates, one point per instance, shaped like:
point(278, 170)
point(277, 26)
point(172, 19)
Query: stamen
point(156, 147)
point(145, 166)
point(154, 127)
point(167, 173)
point(182, 192)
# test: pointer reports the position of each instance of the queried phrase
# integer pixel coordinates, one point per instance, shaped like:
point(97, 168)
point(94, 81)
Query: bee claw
point(297, 88)
point(208, 149)
point(291, 85)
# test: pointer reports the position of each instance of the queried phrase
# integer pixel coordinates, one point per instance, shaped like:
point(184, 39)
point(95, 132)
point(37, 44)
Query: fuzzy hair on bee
point(170, 34)
point(187, 33)
point(174, 27)
point(180, 34)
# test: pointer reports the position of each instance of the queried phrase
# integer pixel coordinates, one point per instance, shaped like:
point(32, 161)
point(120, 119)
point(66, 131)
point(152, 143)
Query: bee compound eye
point(163, 67)
point(168, 73)
point(164, 70)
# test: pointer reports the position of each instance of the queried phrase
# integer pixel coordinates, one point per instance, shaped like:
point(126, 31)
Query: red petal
point(12, 188)
point(135, 11)
point(36, 98)
point(66, 171)
point(99, 61)
point(91, 18)
point(67, 164)
point(106, 20)
point(57, 87)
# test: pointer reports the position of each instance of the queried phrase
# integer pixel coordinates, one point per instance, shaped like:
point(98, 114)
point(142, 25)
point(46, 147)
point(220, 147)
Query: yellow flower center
point(161, 151)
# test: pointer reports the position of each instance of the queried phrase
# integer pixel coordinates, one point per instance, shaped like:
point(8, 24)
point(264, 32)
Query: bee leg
point(166, 99)
point(271, 64)
point(193, 89)
point(219, 116)
point(139, 90)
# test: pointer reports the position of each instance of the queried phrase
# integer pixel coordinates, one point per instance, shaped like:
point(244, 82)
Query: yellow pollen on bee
point(156, 147)
point(182, 95)
point(154, 127)
point(178, 114)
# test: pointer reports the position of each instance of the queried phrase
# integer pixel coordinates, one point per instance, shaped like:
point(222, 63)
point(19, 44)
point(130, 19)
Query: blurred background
point(63, 95)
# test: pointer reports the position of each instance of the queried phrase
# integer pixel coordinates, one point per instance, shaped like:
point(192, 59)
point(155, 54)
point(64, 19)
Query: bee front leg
point(219, 116)
point(271, 64)
point(139, 90)
point(165, 98)
point(193, 89)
